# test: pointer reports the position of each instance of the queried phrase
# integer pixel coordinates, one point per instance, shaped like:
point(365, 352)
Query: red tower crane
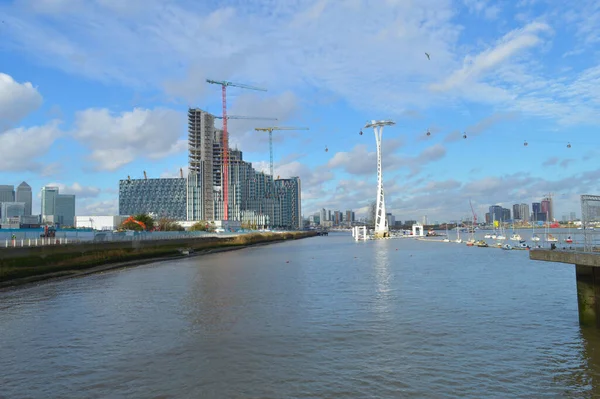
point(224, 84)
point(474, 215)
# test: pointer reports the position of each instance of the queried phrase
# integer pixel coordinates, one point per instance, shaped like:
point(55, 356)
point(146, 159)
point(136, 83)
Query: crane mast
point(270, 130)
point(224, 84)
point(474, 215)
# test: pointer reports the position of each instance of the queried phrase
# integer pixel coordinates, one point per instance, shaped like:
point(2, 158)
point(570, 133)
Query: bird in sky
point(428, 57)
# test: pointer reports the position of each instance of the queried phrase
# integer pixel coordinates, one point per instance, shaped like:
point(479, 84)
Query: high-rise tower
point(23, 194)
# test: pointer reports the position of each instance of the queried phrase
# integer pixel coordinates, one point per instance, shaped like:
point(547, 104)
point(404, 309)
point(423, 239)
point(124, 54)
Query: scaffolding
point(590, 214)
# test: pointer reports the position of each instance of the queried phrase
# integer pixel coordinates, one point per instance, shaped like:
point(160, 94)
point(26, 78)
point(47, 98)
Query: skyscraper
point(7, 194)
point(64, 211)
point(524, 212)
point(496, 213)
point(517, 212)
point(323, 216)
point(49, 204)
point(548, 207)
point(23, 194)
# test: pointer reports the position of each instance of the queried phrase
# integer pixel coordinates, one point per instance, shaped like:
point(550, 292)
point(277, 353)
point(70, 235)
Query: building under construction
point(253, 197)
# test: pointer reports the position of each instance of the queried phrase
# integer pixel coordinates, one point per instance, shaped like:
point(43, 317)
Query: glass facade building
point(164, 198)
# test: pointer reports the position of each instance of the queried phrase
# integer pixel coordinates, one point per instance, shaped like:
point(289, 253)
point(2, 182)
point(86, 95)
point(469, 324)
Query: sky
point(93, 91)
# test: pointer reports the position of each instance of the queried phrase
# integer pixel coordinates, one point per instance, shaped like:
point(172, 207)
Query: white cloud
point(241, 131)
point(98, 208)
point(21, 148)
point(475, 67)
point(17, 100)
point(77, 189)
point(175, 172)
point(116, 140)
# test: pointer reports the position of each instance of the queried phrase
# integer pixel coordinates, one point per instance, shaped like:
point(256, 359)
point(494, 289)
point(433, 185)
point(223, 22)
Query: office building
point(572, 216)
point(57, 209)
point(323, 216)
point(49, 194)
point(12, 210)
point(23, 194)
point(7, 193)
point(524, 212)
point(391, 219)
point(496, 213)
point(349, 217)
point(163, 198)
point(64, 211)
point(505, 214)
point(517, 211)
point(536, 208)
point(548, 208)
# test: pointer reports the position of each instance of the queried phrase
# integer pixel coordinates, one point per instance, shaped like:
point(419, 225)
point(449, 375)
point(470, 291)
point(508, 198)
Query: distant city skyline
point(111, 101)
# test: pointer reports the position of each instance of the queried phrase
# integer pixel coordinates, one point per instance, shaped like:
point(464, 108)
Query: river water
point(377, 319)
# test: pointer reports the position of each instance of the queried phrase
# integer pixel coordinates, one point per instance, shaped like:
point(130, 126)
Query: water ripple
point(340, 320)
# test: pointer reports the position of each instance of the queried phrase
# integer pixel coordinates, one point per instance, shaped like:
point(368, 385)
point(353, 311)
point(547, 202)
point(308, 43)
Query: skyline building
point(24, 194)
point(517, 211)
point(56, 208)
point(524, 212)
point(12, 210)
point(64, 211)
point(48, 205)
point(163, 197)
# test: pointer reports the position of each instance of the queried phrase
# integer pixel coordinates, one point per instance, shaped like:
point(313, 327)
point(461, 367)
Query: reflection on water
point(314, 318)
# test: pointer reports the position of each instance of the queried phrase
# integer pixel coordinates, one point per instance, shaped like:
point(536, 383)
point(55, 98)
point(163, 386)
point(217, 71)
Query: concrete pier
point(587, 276)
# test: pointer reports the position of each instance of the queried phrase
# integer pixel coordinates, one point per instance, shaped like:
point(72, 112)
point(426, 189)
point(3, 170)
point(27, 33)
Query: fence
point(31, 238)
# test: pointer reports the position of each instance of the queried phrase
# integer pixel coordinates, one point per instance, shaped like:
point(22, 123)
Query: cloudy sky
point(92, 91)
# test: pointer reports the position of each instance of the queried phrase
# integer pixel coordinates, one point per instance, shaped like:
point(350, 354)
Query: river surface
point(377, 319)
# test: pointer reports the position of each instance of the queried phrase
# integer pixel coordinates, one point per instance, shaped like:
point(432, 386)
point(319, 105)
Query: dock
point(587, 276)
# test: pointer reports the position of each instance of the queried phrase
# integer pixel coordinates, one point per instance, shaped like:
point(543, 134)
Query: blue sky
point(92, 91)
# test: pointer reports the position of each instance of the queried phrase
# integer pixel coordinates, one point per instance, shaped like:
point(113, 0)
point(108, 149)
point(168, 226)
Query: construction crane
point(224, 84)
point(270, 130)
point(474, 215)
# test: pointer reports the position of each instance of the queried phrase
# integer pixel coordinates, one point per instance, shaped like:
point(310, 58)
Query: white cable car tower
point(381, 225)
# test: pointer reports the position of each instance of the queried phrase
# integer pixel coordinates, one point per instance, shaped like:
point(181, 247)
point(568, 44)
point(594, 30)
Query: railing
point(32, 238)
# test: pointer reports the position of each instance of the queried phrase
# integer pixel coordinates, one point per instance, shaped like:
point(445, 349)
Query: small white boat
point(535, 238)
point(446, 240)
point(507, 247)
point(516, 237)
point(488, 235)
point(501, 237)
point(493, 236)
point(551, 238)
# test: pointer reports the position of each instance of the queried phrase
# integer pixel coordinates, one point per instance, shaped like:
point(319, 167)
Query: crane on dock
point(270, 130)
point(224, 84)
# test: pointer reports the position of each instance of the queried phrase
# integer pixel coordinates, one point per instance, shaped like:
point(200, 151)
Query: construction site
point(220, 186)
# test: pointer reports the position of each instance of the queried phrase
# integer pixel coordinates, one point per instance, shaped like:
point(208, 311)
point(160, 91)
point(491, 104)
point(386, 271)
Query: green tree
point(199, 226)
point(166, 224)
